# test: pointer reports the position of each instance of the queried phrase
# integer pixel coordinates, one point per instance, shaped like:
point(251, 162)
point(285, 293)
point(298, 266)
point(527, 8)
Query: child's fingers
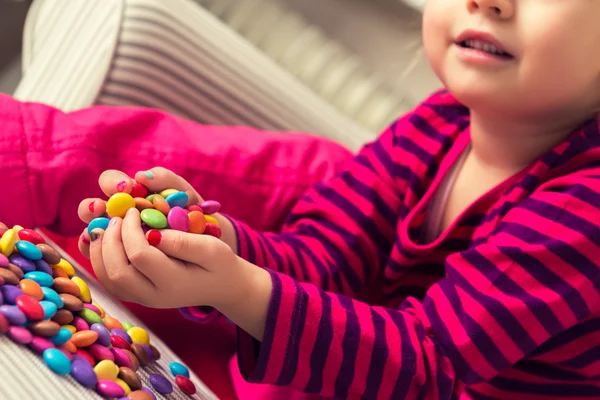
point(90, 209)
point(96, 259)
point(112, 181)
point(121, 274)
point(145, 258)
point(206, 251)
point(84, 243)
point(158, 179)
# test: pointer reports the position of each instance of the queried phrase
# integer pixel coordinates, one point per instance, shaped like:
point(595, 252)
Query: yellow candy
point(98, 306)
point(118, 204)
point(124, 385)
point(8, 241)
point(211, 220)
point(65, 267)
point(17, 228)
point(106, 369)
point(70, 327)
point(84, 290)
point(168, 192)
point(139, 335)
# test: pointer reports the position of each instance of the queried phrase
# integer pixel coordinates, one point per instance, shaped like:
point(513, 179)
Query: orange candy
point(84, 338)
point(142, 204)
point(31, 288)
point(197, 222)
point(111, 323)
point(161, 204)
point(69, 346)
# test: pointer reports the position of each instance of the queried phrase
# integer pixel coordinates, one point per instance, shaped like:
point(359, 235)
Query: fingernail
point(130, 211)
point(154, 237)
point(85, 239)
point(149, 174)
point(121, 186)
point(113, 221)
point(91, 206)
point(94, 236)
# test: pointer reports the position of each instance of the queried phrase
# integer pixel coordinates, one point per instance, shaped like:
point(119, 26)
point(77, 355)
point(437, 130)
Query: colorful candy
point(179, 369)
point(44, 306)
point(57, 361)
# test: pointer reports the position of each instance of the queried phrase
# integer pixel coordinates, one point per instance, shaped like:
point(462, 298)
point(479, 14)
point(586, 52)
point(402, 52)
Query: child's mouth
point(486, 47)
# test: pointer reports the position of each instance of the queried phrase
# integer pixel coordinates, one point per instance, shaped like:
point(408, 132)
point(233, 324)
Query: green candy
point(90, 316)
point(126, 326)
point(152, 196)
point(154, 218)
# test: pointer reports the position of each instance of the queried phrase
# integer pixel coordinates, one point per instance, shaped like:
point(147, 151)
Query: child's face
point(553, 70)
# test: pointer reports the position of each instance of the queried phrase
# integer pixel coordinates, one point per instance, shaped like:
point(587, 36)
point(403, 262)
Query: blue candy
point(51, 295)
point(29, 250)
point(100, 223)
point(62, 337)
point(40, 277)
point(179, 369)
point(178, 199)
point(49, 308)
point(57, 361)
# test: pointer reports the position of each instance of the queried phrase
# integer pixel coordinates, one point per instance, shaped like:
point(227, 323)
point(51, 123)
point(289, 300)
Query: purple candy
point(25, 264)
point(103, 334)
point(13, 315)
point(40, 344)
point(121, 333)
point(1, 297)
point(210, 207)
point(80, 324)
point(150, 392)
point(83, 373)
point(161, 384)
point(3, 261)
point(10, 293)
point(148, 351)
point(43, 266)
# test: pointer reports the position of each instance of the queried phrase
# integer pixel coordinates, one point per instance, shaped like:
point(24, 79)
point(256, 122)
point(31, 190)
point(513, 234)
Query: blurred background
point(344, 69)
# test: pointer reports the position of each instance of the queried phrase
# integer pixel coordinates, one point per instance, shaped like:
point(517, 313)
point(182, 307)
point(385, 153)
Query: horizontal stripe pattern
point(506, 305)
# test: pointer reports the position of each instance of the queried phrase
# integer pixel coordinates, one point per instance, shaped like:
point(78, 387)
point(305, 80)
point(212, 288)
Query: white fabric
point(174, 56)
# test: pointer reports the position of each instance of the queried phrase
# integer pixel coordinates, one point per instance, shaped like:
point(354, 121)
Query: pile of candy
point(44, 306)
point(167, 209)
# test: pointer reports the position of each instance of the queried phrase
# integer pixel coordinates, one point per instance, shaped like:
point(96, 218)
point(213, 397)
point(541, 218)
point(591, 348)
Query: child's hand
point(113, 181)
point(205, 272)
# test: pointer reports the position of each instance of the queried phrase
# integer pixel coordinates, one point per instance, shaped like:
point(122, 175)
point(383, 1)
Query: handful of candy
point(166, 209)
point(46, 307)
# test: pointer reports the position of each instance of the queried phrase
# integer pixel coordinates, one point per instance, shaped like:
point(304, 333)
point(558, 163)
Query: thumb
point(112, 181)
point(204, 250)
point(158, 179)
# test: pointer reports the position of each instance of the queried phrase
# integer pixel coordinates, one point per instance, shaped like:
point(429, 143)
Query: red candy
point(195, 208)
point(119, 342)
point(186, 385)
point(212, 230)
point(4, 325)
point(87, 356)
point(139, 190)
point(31, 236)
point(30, 307)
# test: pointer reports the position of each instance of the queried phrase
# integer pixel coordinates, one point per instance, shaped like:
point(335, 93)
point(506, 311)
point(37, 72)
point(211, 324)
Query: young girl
point(455, 257)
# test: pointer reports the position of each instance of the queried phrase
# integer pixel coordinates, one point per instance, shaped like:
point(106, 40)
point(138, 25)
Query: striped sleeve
point(536, 278)
point(338, 236)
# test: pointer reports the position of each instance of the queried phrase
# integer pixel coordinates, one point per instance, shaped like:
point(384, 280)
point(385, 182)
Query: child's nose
point(502, 9)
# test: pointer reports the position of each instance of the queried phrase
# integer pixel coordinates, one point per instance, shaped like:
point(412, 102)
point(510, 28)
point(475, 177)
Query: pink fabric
point(51, 160)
